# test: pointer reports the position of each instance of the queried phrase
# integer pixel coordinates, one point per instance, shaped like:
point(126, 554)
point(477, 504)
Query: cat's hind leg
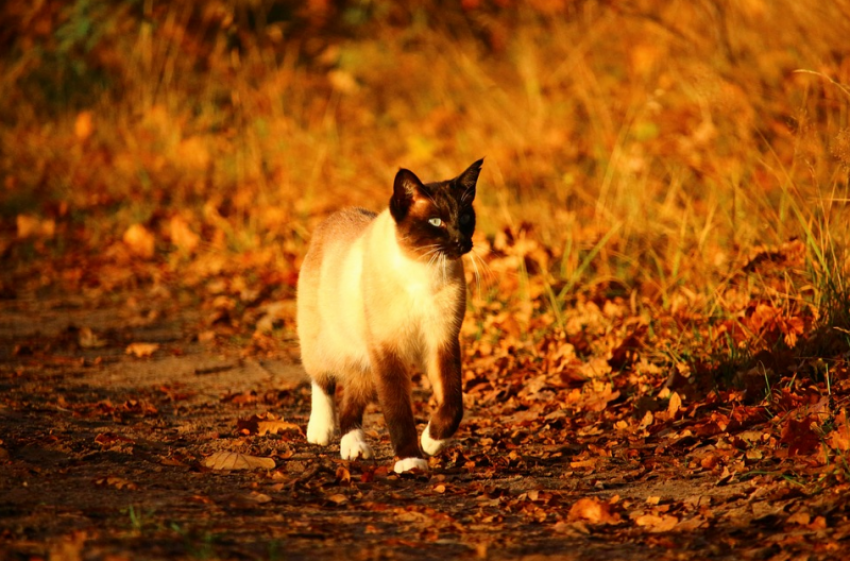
point(356, 396)
point(322, 424)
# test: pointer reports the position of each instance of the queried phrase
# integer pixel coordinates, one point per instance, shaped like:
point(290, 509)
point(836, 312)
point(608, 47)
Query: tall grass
point(657, 146)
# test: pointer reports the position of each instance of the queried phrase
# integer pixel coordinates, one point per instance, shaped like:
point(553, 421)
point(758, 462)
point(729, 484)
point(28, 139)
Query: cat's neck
point(416, 268)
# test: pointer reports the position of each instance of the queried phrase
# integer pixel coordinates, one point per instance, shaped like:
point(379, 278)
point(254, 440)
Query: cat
point(380, 295)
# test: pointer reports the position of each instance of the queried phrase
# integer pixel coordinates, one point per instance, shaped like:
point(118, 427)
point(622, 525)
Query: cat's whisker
point(476, 273)
point(484, 264)
point(485, 271)
point(432, 253)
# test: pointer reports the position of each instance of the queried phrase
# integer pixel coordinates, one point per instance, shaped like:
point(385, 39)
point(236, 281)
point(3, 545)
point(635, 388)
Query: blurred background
point(645, 147)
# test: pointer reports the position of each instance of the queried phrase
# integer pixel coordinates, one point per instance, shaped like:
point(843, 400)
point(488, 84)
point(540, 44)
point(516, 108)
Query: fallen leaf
point(674, 404)
point(139, 241)
point(592, 511)
point(107, 439)
point(117, 482)
point(259, 498)
point(182, 236)
point(206, 336)
point(141, 350)
point(266, 424)
point(801, 439)
point(275, 427)
point(802, 518)
point(656, 523)
point(235, 461)
point(83, 125)
point(88, 339)
point(647, 420)
point(32, 227)
point(338, 498)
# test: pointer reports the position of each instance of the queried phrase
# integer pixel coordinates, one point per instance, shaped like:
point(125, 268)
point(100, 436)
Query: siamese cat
point(382, 295)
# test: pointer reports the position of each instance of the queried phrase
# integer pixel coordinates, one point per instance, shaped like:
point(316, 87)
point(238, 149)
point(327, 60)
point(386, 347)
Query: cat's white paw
point(319, 432)
point(353, 445)
point(431, 446)
point(320, 428)
point(409, 464)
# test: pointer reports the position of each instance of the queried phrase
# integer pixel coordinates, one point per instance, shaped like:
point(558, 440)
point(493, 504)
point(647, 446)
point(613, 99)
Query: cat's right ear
point(405, 189)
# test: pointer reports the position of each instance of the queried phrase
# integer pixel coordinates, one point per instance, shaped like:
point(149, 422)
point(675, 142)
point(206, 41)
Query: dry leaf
point(655, 523)
point(265, 424)
point(275, 427)
point(802, 518)
point(88, 339)
point(236, 461)
point(83, 125)
point(647, 420)
point(34, 227)
point(117, 482)
point(343, 475)
point(141, 350)
point(592, 511)
point(182, 236)
point(139, 241)
point(259, 498)
point(800, 437)
point(206, 336)
point(674, 405)
point(338, 498)
point(343, 82)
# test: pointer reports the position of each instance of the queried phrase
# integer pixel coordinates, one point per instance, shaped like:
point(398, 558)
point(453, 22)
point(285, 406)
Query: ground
point(109, 452)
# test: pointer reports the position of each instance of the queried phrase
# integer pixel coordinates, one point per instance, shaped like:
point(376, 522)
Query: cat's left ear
point(405, 189)
point(468, 179)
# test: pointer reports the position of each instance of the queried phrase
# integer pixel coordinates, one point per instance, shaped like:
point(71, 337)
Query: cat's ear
point(468, 180)
point(406, 187)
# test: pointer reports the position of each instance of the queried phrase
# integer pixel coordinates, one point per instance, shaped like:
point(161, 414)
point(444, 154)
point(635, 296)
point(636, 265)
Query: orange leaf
point(801, 439)
point(655, 523)
point(181, 235)
point(592, 511)
point(141, 350)
point(139, 240)
point(83, 126)
point(236, 461)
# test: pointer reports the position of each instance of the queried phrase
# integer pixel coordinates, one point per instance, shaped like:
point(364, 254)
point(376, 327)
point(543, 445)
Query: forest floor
point(656, 347)
point(122, 436)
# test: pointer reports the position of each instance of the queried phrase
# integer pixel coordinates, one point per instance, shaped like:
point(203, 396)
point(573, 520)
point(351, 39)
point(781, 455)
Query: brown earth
point(102, 456)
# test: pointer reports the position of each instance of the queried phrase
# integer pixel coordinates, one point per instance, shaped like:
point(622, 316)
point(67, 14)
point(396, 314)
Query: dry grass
point(652, 148)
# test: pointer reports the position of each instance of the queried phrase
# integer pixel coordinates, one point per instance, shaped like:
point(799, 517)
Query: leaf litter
point(619, 404)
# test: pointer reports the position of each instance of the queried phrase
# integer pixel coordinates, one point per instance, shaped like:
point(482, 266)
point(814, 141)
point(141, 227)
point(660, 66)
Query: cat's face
point(435, 219)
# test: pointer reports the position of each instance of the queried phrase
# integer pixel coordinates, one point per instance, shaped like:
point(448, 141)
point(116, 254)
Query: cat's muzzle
point(457, 249)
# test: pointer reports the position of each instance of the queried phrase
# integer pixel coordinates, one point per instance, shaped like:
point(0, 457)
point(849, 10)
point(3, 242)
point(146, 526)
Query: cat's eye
point(464, 219)
point(435, 222)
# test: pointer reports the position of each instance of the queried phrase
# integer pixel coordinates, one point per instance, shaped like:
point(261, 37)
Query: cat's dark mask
point(435, 218)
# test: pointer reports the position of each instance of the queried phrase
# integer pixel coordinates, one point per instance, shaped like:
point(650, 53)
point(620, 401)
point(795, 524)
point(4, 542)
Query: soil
point(104, 455)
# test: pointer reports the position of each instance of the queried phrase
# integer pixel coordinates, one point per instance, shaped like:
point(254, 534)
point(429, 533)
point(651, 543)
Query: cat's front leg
point(392, 380)
point(320, 428)
point(445, 375)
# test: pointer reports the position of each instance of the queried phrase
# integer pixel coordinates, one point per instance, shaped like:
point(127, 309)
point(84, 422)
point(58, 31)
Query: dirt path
point(103, 455)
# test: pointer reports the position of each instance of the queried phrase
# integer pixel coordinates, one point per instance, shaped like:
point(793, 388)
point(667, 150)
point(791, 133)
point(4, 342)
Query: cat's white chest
point(409, 303)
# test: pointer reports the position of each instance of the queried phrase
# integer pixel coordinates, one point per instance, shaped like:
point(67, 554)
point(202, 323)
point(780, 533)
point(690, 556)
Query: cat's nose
point(463, 245)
